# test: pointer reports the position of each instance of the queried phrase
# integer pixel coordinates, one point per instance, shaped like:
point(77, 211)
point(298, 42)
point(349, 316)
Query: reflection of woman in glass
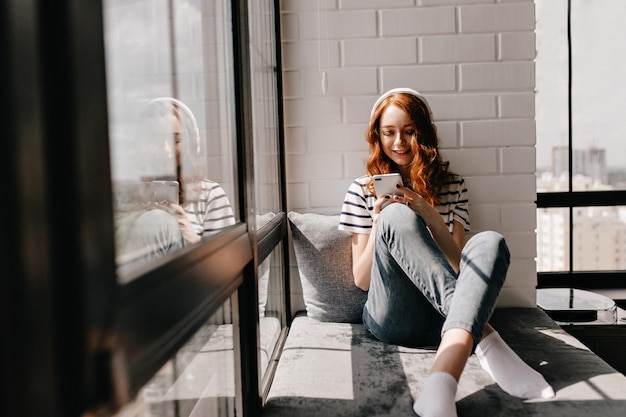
point(202, 208)
point(426, 285)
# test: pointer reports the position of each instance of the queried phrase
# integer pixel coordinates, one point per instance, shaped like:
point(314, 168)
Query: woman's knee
point(157, 220)
point(398, 214)
point(489, 242)
point(156, 227)
point(487, 251)
point(392, 210)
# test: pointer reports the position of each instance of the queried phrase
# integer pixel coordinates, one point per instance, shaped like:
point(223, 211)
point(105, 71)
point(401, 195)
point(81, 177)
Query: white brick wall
point(473, 60)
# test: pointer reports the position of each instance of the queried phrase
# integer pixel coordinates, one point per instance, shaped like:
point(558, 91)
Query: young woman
point(172, 146)
point(426, 285)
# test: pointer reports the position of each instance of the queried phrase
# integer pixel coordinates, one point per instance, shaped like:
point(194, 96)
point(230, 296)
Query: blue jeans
point(414, 293)
point(154, 234)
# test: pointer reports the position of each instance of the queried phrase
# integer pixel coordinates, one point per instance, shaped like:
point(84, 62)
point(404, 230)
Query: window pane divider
point(581, 199)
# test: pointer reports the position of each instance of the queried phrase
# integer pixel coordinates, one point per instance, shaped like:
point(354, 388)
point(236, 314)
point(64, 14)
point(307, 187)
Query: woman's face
point(396, 135)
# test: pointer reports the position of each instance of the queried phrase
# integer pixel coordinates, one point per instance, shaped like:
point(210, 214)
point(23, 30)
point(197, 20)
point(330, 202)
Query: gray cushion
point(340, 369)
point(324, 257)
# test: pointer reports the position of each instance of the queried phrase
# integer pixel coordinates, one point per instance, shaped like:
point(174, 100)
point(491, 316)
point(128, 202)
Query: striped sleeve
point(357, 208)
point(454, 202)
point(212, 212)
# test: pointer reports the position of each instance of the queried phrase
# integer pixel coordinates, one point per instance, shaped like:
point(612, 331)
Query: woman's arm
point(449, 243)
point(458, 234)
point(363, 250)
point(362, 255)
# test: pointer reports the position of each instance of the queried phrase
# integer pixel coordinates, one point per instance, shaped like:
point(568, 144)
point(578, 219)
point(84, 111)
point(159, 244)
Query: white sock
point(437, 398)
point(509, 371)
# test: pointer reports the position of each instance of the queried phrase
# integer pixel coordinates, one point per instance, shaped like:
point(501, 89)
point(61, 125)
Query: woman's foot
point(509, 371)
point(437, 398)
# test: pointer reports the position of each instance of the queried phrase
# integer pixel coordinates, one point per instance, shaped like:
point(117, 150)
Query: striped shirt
point(358, 205)
point(211, 210)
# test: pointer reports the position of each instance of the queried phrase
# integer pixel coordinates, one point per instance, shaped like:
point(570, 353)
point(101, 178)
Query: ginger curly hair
point(428, 171)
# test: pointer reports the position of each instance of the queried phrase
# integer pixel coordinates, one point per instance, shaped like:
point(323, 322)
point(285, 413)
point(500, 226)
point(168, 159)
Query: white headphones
point(404, 90)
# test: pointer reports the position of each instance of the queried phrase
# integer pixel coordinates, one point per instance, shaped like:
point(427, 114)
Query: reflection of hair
point(189, 170)
point(427, 171)
point(187, 121)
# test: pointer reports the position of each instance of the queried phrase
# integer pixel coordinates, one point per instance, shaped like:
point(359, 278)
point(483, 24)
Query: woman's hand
point(416, 203)
point(186, 229)
point(379, 205)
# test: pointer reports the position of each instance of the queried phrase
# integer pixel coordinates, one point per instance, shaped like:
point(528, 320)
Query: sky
point(598, 82)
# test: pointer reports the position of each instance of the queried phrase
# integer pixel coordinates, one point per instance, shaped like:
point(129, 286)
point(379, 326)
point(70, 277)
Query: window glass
point(597, 94)
point(264, 109)
point(553, 239)
point(271, 306)
point(198, 381)
point(551, 96)
point(170, 92)
point(591, 237)
point(599, 237)
point(266, 170)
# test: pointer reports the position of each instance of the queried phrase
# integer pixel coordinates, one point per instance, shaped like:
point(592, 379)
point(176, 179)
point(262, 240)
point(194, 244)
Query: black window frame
point(572, 199)
point(62, 338)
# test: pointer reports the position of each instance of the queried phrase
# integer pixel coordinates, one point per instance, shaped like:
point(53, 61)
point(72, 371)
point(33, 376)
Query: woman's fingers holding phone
point(380, 203)
point(407, 193)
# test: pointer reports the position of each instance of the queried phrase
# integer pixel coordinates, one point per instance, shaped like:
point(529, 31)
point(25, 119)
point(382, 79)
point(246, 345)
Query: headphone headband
point(404, 90)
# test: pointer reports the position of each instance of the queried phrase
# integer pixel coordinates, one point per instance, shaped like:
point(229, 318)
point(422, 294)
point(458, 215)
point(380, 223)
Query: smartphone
point(159, 191)
point(386, 184)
